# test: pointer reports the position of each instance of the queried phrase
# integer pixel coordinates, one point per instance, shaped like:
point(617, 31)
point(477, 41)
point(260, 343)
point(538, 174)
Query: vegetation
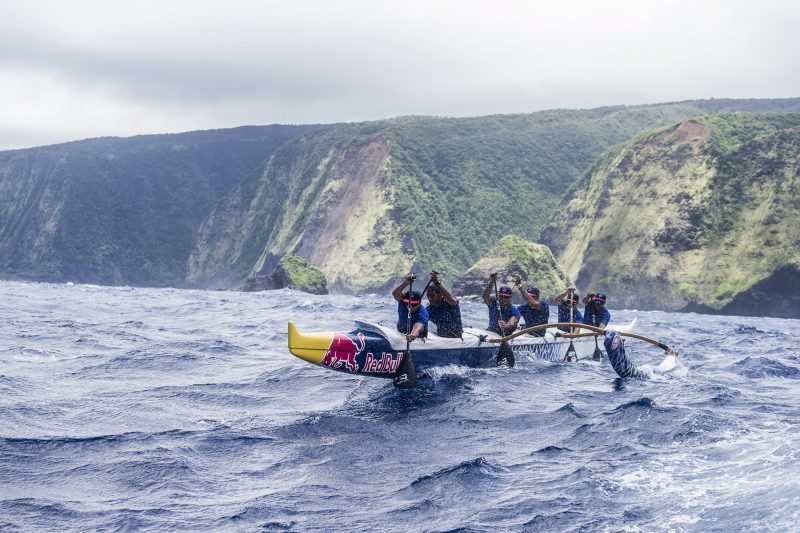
point(211, 208)
point(303, 275)
point(120, 211)
point(700, 215)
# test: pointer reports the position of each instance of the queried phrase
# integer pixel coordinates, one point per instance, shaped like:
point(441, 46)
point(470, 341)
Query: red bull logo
point(343, 351)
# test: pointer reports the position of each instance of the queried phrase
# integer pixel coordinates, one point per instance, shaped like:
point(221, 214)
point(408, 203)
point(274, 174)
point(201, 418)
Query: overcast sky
point(72, 70)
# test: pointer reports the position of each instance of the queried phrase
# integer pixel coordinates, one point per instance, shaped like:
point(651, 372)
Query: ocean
point(130, 409)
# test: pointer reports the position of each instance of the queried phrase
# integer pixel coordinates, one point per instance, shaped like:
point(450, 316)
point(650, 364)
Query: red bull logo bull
point(343, 351)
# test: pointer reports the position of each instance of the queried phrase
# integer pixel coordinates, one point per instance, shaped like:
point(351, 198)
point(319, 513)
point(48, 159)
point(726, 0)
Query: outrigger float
point(377, 350)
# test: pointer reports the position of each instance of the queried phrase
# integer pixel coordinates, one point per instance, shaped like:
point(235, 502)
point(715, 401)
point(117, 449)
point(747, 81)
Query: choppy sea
point(127, 409)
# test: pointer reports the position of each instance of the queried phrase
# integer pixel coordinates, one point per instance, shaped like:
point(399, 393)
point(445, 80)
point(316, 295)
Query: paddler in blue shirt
point(567, 303)
point(534, 311)
point(595, 312)
point(419, 315)
point(503, 315)
point(443, 309)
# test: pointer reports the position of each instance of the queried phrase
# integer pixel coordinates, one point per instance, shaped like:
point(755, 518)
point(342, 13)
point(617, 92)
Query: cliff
point(698, 216)
point(120, 211)
point(370, 202)
point(365, 202)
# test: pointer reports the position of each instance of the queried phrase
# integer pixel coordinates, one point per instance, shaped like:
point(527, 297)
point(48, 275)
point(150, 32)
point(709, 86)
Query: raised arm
point(560, 296)
point(524, 293)
point(397, 293)
point(441, 289)
point(487, 292)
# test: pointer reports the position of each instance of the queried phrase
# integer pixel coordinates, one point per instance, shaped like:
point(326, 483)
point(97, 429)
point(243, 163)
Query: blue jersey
point(535, 317)
point(595, 318)
point(447, 318)
point(506, 314)
point(563, 316)
point(420, 315)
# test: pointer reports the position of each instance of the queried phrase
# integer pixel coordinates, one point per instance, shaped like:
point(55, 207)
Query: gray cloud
point(72, 70)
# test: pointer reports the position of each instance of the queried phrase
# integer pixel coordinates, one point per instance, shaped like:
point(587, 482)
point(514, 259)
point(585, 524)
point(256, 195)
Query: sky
point(89, 68)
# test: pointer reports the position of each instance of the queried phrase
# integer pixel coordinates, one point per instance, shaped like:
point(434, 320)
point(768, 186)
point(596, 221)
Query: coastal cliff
point(698, 216)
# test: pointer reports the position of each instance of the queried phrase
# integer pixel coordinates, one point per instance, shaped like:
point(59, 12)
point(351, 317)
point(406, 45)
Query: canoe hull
point(376, 350)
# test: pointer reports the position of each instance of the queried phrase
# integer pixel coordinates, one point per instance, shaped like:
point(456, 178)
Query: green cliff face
point(510, 257)
point(366, 202)
point(120, 211)
point(698, 216)
point(370, 202)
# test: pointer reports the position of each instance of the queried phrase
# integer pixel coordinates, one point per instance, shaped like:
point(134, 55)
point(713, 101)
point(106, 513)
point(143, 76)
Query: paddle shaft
point(499, 309)
point(571, 307)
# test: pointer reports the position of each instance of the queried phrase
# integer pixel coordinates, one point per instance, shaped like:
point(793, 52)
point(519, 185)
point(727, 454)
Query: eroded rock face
point(695, 217)
point(775, 295)
point(510, 257)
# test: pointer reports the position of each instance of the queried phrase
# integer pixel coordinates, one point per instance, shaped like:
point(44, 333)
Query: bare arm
point(560, 296)
point(397, 293)
point(487, 292)
point(441, 289)
point(530, 300)
point(415, 331)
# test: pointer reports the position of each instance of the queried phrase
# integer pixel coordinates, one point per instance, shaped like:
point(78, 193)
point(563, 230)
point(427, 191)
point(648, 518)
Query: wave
point(760, 367)
point(467, 473)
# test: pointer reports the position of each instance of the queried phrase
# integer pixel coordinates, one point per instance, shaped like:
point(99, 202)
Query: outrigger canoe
point(377, 350)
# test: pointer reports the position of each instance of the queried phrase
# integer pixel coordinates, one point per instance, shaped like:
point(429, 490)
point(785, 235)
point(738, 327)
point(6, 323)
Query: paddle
point(597, 355)
point(405, 377)
point(571, 355)
point(505, 353)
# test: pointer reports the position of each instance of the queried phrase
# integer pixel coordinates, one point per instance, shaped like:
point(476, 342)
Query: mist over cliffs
point(364, 202)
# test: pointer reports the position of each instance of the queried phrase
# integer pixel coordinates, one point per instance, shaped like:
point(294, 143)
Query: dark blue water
point(146, 409)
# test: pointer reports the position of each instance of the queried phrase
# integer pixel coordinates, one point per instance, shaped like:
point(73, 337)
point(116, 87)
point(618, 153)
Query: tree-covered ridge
point(453, 186)
point(695, 216)
point(366, 202)
point(120, 210)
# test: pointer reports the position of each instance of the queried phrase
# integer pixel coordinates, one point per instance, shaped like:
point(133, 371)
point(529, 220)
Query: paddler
point(443, 309)
point(567, 303)
point(534, 311)
point(595, 312)
point(410, 300)
point(503, 315)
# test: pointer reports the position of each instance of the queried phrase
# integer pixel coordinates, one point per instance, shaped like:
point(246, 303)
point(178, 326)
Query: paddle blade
point(506, 355)
point(405, 377)
point(597, 355)
point(571, 356)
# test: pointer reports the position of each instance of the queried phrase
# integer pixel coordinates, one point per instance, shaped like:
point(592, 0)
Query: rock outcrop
point(510, 257)
point(291, 272)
